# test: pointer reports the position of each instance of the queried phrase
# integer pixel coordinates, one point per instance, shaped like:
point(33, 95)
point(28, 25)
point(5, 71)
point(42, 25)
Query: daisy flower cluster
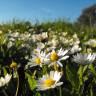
point(54, 57)
point(47, 61)
point(51, 58)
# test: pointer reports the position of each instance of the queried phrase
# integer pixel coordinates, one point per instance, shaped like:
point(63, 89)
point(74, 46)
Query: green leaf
point(32, 82)
point(92, 68)
point(80, 74)
point(5, 71)
point(85, 68)
point(37, 94)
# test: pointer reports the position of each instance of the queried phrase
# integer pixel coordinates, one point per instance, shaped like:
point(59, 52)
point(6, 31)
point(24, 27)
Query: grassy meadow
point(50, 58)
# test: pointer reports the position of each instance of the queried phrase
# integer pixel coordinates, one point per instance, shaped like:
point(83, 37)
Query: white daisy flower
point(49, 81)
point(84, 58)
point(91, 43)
point(38, 59)
point(56, 57)
point(2, 81)
point(40, 45)
point(75, 48)
point(5, 80)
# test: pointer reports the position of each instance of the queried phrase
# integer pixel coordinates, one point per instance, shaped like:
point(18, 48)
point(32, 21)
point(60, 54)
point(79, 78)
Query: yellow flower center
point(37, 60)
point(54, 56)
point(49, 82)
point(13, 65)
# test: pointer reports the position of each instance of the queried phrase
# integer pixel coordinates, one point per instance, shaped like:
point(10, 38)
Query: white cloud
point(47, 11)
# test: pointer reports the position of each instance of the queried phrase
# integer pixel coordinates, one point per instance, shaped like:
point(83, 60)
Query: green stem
point(91, 92)
point(60, 91)
point(17, 87)
point(4, 92)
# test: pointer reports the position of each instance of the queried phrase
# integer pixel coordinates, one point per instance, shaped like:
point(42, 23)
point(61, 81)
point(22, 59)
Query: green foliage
point(71, 73)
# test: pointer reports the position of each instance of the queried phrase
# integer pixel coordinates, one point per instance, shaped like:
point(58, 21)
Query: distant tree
point(88, 16)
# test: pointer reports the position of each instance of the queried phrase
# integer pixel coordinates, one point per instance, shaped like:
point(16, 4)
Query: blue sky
point(42, 10)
